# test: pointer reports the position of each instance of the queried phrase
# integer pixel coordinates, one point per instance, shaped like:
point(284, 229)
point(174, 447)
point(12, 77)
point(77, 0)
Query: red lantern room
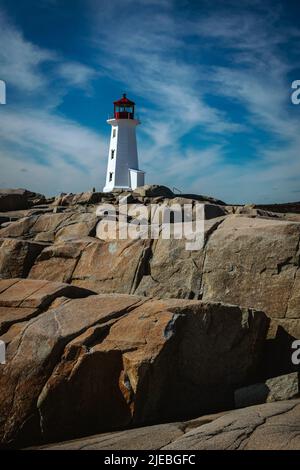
point(124, 108)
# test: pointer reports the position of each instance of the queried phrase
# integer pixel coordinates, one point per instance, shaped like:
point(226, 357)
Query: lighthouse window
point(110, 176)
point(112, 154)
point(114, 132)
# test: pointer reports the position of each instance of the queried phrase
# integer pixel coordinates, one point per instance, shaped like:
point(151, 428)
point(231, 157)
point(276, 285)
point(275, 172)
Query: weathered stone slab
point(284, 387)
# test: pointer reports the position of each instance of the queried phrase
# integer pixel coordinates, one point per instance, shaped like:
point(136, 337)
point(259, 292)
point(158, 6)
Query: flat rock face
point(273, 426)
point(253, 262)
point(58, 262)
point(174, 271)
point(107, 361)
point(35, 293)
point(113, 266)
point(144, 438)
point(17, 257)
point(22, 299)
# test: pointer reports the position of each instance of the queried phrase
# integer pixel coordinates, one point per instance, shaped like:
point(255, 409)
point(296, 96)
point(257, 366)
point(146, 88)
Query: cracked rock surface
point(268, 426)
point(272, 426)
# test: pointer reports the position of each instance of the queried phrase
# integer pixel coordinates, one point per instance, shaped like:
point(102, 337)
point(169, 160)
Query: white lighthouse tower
point(122, 166)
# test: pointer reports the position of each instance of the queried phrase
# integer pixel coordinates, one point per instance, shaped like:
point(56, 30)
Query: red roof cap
point(124, 101)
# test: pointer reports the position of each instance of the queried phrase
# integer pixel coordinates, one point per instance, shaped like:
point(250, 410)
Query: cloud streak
point(40, 148)
point(20, 59)
point(60, 152)
point(157, 57)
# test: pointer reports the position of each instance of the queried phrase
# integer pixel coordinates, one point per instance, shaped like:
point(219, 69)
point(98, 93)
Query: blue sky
point(211, 81)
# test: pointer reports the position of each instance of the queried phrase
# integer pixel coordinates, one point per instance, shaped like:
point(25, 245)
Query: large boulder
point(108, 361)
point(32, 355)
point(253, 262)
point(212, 211)
point(77, 226)
point(12, 216)
point(252, 211)
point(284, 387)
point(153, 190)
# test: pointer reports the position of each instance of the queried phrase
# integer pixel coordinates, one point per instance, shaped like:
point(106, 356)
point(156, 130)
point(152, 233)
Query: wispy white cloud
point(39, 148)
point(156, 57)
point(60, 155)
point(20, 59)
point(76, 74)
point(259, 83)
point(22, 67)
point(145, 55)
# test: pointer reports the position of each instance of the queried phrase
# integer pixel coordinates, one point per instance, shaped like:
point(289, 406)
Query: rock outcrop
point(108, 361)
point(49, 227)
point(16, 199)
point(245, 261)
point(110, 333)
point(153, 191)
point(71, 199)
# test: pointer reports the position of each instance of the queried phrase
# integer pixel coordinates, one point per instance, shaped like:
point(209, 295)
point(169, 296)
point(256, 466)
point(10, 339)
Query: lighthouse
point(122, 165)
